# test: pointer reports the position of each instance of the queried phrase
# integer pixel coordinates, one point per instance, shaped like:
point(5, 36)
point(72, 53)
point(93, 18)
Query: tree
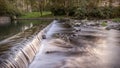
point(7, 8)
point(110, 3)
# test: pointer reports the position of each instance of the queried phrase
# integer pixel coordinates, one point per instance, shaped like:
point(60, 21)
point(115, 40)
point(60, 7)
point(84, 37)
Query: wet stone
point(43, 36)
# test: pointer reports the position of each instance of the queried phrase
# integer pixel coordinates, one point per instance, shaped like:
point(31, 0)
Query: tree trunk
point(40, 8)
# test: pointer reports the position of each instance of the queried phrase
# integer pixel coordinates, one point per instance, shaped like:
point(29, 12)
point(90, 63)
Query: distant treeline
point(87, 8)
point(75, 8)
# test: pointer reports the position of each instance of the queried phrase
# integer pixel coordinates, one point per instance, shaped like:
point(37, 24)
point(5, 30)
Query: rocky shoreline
point(106, 24)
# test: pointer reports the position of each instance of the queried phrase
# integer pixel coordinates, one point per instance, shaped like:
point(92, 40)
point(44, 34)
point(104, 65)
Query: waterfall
point(21, 55)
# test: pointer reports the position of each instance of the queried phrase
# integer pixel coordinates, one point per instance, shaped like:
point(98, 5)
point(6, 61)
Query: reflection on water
point(15, 27)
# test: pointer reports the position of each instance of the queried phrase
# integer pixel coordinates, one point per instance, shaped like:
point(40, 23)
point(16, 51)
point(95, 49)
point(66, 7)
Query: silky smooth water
point(19, 42)
point(91, 47)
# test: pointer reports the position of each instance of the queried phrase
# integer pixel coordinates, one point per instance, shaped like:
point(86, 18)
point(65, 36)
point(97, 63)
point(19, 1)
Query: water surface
point(19, 42)
point(91, 47)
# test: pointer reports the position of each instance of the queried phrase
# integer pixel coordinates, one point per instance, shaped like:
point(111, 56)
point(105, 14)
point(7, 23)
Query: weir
point(21, 53)
point(62, 45)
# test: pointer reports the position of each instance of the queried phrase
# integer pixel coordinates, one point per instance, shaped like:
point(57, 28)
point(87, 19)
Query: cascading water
point(66, 46)
point(19, 51)
point(79, 46)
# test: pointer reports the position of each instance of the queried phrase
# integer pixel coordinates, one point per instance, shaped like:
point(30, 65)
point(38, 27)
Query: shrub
point(61, 10)
point(104, 24)
point(116, 20)
point(81, 13)
point(98, 12)
point(95, 12)
point(72, 11)
point(58, 11)
point(117, 12)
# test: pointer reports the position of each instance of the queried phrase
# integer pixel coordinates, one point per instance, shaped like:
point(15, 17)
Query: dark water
point(15, 27)
point(19, 42)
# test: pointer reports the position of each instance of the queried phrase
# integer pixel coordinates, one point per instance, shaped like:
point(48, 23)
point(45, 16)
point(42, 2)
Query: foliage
point(104, 23)
point(116, 20)
point(58, 11)
point(84, 9)
point(98, 12)
point(63, 11)
point(62, 7)
point(77, 8)
point(7, 9)
point(81, 13)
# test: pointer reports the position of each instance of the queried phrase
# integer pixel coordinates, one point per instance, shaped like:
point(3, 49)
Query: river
point(89, 47)
point(64, 45)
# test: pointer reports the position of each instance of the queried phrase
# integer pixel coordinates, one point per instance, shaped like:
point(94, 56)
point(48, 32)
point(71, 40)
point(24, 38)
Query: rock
point(107, 28)
point(77, 24)
point(73, 35)
point(113, 26)
point(43, 36)
point(93, 24)
point(77, 29)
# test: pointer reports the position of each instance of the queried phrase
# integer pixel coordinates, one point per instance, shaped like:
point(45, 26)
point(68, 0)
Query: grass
point(45, 14)
point(35, 14)
point(116, 20)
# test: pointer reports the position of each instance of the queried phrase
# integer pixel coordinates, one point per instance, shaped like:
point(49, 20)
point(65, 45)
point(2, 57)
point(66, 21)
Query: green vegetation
point(62, 7)
point(98, 12)
point(116, 20)
point(7, 9)
point(81, 9)
point(104, 24)
point(36, 14)
point(45, 14)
